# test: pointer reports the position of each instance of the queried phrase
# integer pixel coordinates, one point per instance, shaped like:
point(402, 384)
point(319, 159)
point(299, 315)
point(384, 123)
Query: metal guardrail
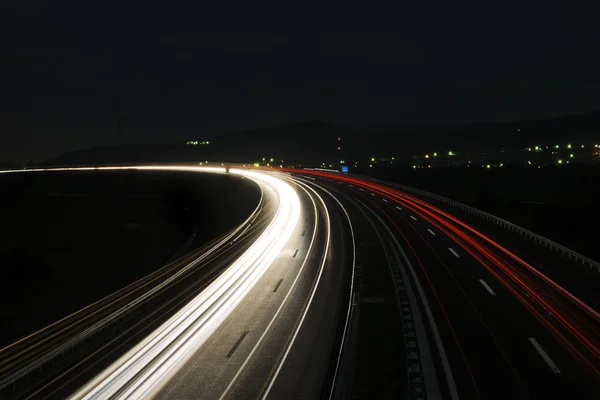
point(547, 243)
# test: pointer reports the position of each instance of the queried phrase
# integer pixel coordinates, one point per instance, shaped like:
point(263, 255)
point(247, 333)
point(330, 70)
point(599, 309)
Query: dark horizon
point(195, 70)
point(579, 123)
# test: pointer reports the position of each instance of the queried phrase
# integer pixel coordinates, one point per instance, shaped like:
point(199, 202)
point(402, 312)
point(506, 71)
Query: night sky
point(190, 70)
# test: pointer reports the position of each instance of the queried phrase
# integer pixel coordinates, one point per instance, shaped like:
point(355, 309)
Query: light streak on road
point(137, 167)
point(572, 322)
point(142, 371)
point(148, 366)
point(128, 299)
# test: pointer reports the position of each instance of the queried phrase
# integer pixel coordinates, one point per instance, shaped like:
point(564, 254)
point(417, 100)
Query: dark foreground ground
point(561, 203)
point(71, 238)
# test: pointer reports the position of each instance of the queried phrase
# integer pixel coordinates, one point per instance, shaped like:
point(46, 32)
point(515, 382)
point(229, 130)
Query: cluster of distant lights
point(373, 160)
point(556, 146)
point(195, 142)
point(534, 148)
point(270, 162)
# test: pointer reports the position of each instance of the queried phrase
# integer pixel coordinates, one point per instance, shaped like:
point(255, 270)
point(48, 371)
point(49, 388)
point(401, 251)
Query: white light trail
point(143, 371)
point(138, 167)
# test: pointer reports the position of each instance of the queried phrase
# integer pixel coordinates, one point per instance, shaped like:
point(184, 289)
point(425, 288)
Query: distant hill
point(130, 154)
point(7, 165)
point(307, 142)
point(480, 136)
point(315, 141)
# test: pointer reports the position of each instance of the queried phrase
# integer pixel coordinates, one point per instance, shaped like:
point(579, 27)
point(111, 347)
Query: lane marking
point(430, 231)
point(308, 177)
point(487, 287)
point(310, 298)
point(355, 269)
point(236, 345)
point(398, 208)
point(413, 217)
point(278, 284)
point(350, 185)
point(268, 328)
point(453, 252)
point(544, 355)
point(360, 189)
point(431, 382)
point(372, 194)
point(68, 344)
point(295, 254)
point(384, 200)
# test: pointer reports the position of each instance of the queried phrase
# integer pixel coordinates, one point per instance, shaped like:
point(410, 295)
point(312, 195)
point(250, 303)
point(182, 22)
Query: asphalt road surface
point(56, 360)
point(503, 318)
point(280, 341)
point(372, 293)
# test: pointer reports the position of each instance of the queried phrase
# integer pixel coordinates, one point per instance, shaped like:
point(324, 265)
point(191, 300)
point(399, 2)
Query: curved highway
point(335, 287)
point(499, 318)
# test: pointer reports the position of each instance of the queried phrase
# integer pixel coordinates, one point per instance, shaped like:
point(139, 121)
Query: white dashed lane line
point(544, 355)
point(413, 217)
point(384, 200)
point(487, 287)
point(430, 231)
point(398, 208)
point(453, 252)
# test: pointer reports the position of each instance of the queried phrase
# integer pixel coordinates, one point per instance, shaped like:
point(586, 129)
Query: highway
point(278, 344)
point(499, 323)
point(205, 284)
point(356, 290)
point(261, 309)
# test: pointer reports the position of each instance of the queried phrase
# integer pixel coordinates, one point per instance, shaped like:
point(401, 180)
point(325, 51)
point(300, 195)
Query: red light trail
point(573, 323)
